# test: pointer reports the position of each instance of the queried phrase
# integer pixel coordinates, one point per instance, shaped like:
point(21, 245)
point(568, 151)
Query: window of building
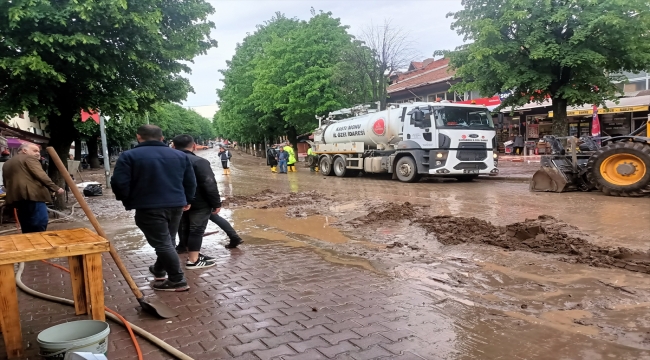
point(435, 97)
point(636, 85)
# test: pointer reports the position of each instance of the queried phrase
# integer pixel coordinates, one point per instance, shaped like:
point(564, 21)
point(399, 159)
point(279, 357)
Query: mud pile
point(392, 212)
point(240, 200)
point(272, 200)
point(542, 235)
point(453, 230)
point(293, 199)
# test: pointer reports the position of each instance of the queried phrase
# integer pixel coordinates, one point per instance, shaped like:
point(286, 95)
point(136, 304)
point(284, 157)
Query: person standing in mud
point(283, 156)
point(206, 202)
point(158, 182)
point(291, 161)
point(224, 156)
point(271, 155)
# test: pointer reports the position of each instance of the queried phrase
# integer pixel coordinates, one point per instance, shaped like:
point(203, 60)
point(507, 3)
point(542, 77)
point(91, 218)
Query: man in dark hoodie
point(159, 183)
point(205, 203)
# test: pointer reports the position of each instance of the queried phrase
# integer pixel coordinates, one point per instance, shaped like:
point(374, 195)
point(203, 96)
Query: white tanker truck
point(410, 140)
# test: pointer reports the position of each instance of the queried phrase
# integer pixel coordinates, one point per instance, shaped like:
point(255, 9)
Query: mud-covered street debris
point(240, 200)
point(272, 200)
point(621, 288)
point(391, 212)
point(394, 245)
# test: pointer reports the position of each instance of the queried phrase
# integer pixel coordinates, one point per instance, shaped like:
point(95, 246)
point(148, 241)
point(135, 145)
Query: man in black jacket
point(159, 183)
point(205, 203)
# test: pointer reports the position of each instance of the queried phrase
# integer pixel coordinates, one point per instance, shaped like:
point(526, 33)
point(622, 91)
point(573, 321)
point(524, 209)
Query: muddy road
point(516, 275)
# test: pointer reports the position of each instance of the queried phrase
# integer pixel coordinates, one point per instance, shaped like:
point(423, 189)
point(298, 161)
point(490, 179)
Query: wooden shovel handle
point(84, 205)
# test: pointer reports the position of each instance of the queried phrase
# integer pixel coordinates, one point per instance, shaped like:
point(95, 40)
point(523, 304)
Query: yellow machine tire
point(621, 169)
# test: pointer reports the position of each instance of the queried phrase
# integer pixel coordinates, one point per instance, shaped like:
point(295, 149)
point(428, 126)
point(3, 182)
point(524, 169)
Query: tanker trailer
point(409, 141)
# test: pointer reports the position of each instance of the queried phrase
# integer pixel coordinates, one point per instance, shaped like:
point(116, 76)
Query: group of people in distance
point(281, 158)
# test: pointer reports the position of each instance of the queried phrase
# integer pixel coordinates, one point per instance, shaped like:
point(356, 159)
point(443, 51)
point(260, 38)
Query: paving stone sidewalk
point(260, 302)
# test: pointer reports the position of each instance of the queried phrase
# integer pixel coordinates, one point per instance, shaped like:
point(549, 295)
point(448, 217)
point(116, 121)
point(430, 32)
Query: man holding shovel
point(158, 182)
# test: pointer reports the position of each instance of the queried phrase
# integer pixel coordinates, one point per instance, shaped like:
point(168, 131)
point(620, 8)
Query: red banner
point(595, 123)
point(92, 114)
point(492, 101)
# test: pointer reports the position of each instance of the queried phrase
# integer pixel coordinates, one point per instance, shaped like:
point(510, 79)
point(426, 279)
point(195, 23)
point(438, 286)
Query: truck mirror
point(418, 115)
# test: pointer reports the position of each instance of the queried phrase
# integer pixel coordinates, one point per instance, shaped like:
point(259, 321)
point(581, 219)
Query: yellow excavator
point(618, 166)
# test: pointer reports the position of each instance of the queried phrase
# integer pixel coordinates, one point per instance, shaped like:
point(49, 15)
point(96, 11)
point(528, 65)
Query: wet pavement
point(313, 281)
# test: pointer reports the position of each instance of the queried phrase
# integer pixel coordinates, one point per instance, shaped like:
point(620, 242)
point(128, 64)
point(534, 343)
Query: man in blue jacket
point(158, 182)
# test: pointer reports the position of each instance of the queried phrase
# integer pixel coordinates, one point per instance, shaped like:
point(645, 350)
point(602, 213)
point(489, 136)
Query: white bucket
point(80, 336)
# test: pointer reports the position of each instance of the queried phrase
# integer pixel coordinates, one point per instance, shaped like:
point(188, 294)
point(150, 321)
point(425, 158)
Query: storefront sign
point(587, 112)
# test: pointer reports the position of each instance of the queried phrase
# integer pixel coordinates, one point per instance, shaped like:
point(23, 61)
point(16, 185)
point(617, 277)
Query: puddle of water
point(265, 236)
point(316, 227)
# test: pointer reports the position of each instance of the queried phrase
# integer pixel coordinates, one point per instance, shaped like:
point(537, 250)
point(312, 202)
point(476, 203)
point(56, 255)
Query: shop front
point(615, 120)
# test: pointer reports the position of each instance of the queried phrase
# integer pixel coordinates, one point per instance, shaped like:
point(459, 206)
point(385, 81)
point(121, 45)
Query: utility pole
point(107, 160)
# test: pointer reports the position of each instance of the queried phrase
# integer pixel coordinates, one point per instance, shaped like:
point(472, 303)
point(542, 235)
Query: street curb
point(506, 178)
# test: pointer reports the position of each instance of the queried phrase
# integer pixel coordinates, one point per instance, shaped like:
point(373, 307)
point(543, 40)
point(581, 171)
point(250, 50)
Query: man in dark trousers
point(28, 188)
point(158, 182)
point(235, 239)
point(206, 202)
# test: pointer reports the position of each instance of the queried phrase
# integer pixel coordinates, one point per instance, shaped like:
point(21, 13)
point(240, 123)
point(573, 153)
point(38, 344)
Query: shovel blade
point(158, 308)
point(551, 179)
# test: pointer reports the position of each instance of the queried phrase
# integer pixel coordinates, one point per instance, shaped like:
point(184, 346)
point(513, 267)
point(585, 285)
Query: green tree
point(567, 50)
point(238, 117)
point(118, 56)
point(297, 76)
point(285, 74)
point(175, 120)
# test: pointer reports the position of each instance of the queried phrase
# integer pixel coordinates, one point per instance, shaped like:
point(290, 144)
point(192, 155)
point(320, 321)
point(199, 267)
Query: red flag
point(595, 123)
point(92, 114)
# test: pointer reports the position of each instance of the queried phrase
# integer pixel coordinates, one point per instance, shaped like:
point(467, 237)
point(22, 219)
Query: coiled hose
point(145, 334)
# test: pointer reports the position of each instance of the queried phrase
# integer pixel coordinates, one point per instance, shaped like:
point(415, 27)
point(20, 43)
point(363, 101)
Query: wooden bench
point(83, 249)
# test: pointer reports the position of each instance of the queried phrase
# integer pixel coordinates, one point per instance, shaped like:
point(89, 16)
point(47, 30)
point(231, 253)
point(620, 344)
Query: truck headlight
point(439, 155)
point(494, 156)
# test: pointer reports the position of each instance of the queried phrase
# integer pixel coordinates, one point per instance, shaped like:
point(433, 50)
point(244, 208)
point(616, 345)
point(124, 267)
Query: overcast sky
point(424, 20)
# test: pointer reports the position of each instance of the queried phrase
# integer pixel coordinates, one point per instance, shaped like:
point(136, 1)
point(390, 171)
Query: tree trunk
point(560, 124)
point(62, 134)
point(292, 137)
point(93, 158)
point(77, 148)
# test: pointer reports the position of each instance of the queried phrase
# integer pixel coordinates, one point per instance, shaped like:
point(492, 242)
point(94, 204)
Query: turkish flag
point(92, 114)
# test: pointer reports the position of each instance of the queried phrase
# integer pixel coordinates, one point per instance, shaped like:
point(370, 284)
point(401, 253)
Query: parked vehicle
point(409, 141)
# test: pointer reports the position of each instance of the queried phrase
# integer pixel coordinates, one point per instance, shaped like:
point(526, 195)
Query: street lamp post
point(107, 160)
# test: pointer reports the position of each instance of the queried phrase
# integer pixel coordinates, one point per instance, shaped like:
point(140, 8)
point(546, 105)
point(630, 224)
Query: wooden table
point(83, 249)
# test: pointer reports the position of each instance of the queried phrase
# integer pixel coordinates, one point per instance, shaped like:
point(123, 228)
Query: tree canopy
point(57, 57)
point(285, 74)
point(535, 49)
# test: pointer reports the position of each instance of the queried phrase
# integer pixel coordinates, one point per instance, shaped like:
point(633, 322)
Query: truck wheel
point(340, 168)
point(466, 178)
point(406, 170)
point(621, 169)
point(325, 166)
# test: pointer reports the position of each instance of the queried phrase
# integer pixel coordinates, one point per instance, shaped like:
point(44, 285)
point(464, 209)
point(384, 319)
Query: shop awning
point(625, 105)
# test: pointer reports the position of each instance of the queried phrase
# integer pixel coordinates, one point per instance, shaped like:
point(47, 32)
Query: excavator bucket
point(549, 179)
point(557, 174)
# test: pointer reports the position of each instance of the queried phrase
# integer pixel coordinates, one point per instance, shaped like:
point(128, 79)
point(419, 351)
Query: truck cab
point(447, 139)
